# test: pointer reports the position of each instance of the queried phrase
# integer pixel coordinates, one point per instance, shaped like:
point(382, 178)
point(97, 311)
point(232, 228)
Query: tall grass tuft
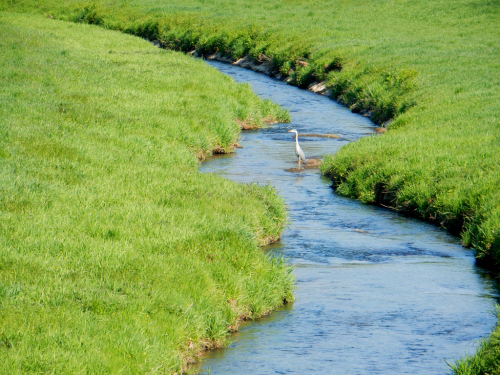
point(485, 361)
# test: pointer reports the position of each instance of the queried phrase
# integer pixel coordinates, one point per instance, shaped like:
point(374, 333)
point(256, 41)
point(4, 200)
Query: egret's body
point(298, 151)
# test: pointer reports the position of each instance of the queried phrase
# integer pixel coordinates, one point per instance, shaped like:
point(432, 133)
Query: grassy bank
point(430, 68)
point(116, 255)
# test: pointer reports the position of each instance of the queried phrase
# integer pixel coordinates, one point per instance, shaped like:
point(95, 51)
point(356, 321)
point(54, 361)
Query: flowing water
point(377, 293)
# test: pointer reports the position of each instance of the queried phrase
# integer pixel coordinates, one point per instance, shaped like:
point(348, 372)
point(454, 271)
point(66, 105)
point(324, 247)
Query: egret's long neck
point(297, 139)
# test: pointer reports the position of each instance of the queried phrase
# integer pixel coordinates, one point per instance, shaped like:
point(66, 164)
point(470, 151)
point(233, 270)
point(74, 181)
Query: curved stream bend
point(377, 293)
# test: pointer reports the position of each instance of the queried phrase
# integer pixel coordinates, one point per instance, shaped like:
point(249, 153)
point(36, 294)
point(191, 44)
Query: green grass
point(486, 361)
point(116, 255)
point(427, 70)
point(431, 68)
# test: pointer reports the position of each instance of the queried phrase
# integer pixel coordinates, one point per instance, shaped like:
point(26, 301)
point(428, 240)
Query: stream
point(377, 292)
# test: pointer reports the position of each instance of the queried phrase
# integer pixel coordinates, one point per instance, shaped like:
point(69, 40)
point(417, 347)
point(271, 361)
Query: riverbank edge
point(195, 352)
point(265, 67)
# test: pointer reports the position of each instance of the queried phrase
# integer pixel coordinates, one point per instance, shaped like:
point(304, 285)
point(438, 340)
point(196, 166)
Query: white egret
point(298, 151)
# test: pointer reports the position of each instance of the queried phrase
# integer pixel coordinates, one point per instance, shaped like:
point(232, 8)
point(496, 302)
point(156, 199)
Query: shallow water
point(377, 293)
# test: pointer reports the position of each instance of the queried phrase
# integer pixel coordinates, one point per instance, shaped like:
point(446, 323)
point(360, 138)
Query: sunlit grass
point(485, 361)
point(116, 255)
point(432, 67)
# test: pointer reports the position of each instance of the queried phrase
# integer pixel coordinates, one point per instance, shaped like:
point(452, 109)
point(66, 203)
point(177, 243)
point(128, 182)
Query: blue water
point(377, 292)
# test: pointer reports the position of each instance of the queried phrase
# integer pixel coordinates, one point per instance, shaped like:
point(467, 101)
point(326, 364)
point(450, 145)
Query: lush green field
point(116, 255)
point(430, 67)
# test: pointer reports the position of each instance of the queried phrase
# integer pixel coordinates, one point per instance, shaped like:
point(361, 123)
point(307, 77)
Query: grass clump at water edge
point(486, 360)
point(116, 255)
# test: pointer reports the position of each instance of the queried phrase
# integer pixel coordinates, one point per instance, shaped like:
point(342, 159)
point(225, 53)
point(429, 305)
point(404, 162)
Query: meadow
point(426, 71)
point(116, 254)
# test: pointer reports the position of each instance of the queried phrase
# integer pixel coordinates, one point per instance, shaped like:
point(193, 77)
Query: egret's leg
point(299, 164)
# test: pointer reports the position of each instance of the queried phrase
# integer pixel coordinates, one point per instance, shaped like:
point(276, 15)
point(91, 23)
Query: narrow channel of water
point(377, 293)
